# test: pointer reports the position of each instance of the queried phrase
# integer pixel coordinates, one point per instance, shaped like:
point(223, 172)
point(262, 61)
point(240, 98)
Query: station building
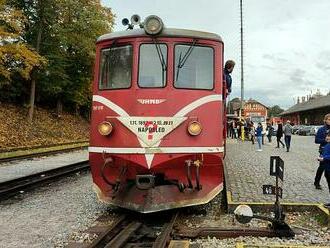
point(308, 111)
point(251, 107)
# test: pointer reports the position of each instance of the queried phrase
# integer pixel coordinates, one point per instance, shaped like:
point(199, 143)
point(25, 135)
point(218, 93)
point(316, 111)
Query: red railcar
point(157, 128)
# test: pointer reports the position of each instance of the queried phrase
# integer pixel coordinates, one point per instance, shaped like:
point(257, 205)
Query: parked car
point(304, 130)
point(314, 130)
point(295, 128)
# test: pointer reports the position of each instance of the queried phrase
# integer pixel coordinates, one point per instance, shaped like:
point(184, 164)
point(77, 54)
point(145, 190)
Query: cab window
point(152, 65)
point(194, 66)
point(116, 68)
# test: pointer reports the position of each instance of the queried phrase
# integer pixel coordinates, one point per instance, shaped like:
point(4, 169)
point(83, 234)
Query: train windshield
point(116, 67)
point(151, 69)
point(193, 67)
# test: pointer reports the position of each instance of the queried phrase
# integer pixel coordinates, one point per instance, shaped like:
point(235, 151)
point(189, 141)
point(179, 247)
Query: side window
point(116, 68)
point(194, 66)
point(152, 66)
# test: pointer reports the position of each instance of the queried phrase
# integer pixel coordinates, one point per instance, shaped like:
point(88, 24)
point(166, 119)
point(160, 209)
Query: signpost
point(276, 169)
point(243, 213)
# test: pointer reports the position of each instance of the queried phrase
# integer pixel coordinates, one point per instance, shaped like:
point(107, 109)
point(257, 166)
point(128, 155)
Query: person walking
point(320, 139)
point(228, 129)
point(269, 132)
point(234, 130)
point(279, 135)
point(287, 135)
point(252, 132)
point(325, 159)
point(259, 136)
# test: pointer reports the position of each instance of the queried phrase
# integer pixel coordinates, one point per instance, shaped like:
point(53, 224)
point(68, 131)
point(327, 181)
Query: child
point(325, 157)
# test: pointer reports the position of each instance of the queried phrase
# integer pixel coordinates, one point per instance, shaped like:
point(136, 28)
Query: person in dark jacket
point(325, 159)
point(279, 135)
point(259, 136)
point(252, 132)
point(269, 132)
point(229, 67)
point(320, 139)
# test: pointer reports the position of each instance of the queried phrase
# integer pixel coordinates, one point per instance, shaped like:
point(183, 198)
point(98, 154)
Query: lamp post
point(242, 71)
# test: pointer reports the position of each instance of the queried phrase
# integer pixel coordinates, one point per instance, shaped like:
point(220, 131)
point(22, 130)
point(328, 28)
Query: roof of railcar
point(167, 32)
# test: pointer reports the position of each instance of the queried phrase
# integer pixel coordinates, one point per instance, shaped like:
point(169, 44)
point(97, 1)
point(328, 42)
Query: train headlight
point(153, 25)
point(105, 128)
point(194, 128)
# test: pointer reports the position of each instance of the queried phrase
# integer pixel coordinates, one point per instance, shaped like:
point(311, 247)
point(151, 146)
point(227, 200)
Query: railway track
point(135, 231)
point(12, 187)
point(76, 146)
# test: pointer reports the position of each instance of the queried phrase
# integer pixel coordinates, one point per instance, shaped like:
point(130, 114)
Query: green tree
point(274, 111)
point(79, 25)
point(64, 32)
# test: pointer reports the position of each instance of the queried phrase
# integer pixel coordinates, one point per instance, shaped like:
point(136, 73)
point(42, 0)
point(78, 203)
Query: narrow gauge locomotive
point(157, 127)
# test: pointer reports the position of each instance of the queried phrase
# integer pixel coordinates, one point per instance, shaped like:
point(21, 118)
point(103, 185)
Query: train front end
point(157, 123)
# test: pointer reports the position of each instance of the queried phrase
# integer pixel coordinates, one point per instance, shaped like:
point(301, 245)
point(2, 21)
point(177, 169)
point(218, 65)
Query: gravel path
point(15, 169)
point(53, 214)
point(47, 216)
point(248, 170)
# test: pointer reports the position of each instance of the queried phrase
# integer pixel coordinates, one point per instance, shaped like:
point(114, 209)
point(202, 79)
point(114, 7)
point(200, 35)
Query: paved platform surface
point(248, 170)
point(25, 167)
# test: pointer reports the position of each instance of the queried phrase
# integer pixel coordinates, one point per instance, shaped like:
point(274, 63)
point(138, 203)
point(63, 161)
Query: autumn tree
point(16, 56)
point(79, 24)
point(64, 32)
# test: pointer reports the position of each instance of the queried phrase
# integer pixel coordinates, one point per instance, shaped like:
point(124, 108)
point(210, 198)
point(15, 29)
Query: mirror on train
point(243, 214)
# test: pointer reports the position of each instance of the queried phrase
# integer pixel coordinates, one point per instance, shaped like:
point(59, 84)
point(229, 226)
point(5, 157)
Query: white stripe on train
point(155, 150)
point(181, 113)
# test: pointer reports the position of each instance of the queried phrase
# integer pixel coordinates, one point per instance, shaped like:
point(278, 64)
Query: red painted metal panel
point(171, 165)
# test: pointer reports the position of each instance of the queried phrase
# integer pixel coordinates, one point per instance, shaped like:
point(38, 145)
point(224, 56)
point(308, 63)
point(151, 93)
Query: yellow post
point(243, 133)
point(242, 129)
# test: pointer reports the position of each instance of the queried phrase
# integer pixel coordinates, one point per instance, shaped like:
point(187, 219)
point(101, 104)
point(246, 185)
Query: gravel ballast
point(47, 216)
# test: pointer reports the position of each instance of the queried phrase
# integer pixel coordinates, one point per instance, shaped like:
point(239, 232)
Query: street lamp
point(242, 72)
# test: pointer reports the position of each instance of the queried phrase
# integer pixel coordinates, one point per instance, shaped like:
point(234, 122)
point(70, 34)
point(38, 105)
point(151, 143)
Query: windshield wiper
point(161, 59)
point(182, 60)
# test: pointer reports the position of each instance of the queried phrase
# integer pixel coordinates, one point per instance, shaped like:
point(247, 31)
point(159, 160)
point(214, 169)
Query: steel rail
point(109, 233)
point(122, 238)
point(222, 233)
point(164, 237)
point(12, 187)
point(40, 154)
point(136, 231)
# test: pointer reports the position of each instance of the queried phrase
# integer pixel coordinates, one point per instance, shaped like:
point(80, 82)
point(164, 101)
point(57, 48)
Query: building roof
point(235, 103)
point(255, 101)
point(167, 32)
point(313, 103)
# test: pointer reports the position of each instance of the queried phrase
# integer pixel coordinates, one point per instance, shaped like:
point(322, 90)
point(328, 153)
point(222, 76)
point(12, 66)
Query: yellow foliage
point(15, 55)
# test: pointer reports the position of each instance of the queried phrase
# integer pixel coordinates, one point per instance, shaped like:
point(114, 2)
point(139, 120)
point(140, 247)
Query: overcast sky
point(286, 42)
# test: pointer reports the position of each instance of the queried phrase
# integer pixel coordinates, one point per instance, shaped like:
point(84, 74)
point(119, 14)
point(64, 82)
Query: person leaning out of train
point(259, 136)
point(229, 67)
point(325, 159)
point(320, 139)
